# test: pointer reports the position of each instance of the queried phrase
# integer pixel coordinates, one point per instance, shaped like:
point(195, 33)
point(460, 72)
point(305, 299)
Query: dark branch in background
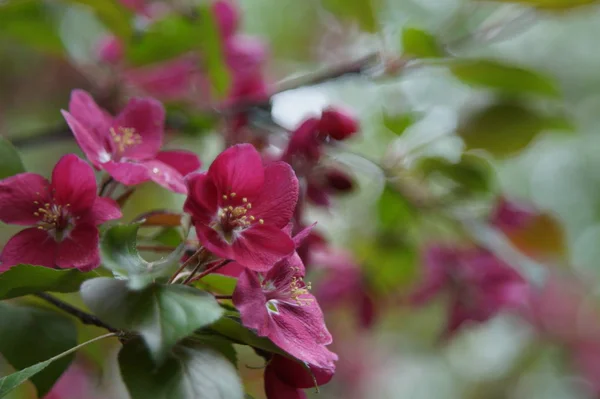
point(356, 67)
point(84, 317)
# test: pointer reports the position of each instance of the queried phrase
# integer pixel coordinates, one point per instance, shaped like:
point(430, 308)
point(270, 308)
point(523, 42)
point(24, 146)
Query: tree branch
point(84, 317)
point(355, 67)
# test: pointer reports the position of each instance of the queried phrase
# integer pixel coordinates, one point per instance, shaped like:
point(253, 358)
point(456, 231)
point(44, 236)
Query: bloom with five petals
point(64, 214)
point(128, 146)
point(240, 207)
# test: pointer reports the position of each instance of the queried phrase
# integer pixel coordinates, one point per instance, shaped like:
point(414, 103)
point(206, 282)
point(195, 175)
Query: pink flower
point(278, 305)
point(510, 215)
point(127, 147)
point(240, 207)
point(75, 383)
point(64, 214)
point(286, 379)
point(480, 285)
point(227, 17)
point(343, 284)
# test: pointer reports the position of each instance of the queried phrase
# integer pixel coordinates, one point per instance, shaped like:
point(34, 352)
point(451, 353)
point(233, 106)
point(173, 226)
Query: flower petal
point(166, 176)
point(80, 249)
point(201, 202)
point(185, 162)
point(18, 195)
point(96, 150)
point(275, 388)
point(261, 246)
point(32, 246)
point(295, 374)
point(83, 108)
point(278, 197)
point(300, 330)
point(212, 241)
point(128, 173)
point(74, 184)
point(103, 210)
point(250, 301)
point(147, 117)
point(239, 170)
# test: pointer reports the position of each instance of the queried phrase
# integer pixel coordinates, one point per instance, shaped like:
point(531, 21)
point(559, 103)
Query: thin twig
point(105, 185)
point(185, 264)
point(84, 317)
point(210, 270)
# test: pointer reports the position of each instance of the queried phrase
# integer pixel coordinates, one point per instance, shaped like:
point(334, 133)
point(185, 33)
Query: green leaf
point(232, 328)
point(164, 39)
point(32, 335)
point(472, 173)
point(10, 161)
point(120, 254)
point(421, 44)
point(550, 4)
point(31, 23)
point(504, 129)
point(398, 124)
point(394, 211)
point(116, 17)
point(217, 342)
point(162, 314)
point(217, 283)
point(190, 371)
point(23, 280)
point(10, 382)
point(503, 77)
point(362, 11)
point(210, 45)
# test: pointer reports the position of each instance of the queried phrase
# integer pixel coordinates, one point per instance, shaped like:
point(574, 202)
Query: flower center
point(124, 138)
point(55, 219)
point(291, 291)
point(234, 217)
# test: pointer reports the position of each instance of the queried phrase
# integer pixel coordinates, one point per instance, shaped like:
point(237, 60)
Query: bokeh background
point(533, 135)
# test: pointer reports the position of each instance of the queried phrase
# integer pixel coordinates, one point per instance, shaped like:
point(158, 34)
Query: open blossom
point(240, 207)
point(278, 305)
point(63, 214)
point(480, 285)
point(128, 146)
point(286, 379)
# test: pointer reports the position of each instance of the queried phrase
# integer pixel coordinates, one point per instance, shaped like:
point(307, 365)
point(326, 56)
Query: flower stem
point(209, 270)
point(84, 317)
point(104, 186)
point(156, 248)
point(185, 264)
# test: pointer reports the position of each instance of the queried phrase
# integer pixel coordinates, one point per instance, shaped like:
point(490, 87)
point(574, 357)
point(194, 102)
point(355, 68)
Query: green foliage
point(116, 17)
point(398, 124)
point(10, 161)
point(472, 173)
point(23, 280)
point(362, 11)
point(217, 283)
point(506, 78)
point(394, 211)
point(31, 23)
point(505, 128)
point(10, 382)
point(232, 328)
point(120, 254)
point(190, 371)
point(550, 4)
point(164, 40)
point(210, 45)
point(30, 336)
point(421, 44)
point(217, 342)
point(162, 314)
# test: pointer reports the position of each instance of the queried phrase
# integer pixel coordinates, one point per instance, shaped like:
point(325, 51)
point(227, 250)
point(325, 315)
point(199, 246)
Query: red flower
point(64, 213)
point(127, 147)
point(240, 207)
point(278, 305)
point(286, 379)
point(479, 283)
point(337, 124)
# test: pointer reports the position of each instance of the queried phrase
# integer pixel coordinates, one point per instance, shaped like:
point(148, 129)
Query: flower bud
point(337, 124)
